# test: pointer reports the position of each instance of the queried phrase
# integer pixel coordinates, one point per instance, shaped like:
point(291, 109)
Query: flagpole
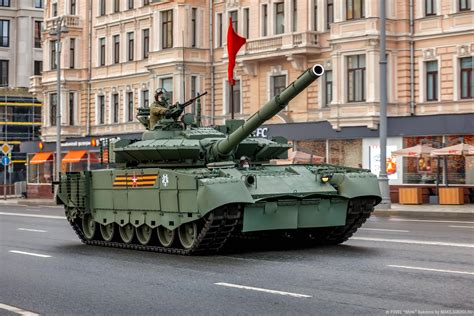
point(231, 92)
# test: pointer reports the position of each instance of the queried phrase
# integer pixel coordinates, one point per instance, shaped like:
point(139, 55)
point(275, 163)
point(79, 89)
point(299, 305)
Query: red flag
point(234, 43)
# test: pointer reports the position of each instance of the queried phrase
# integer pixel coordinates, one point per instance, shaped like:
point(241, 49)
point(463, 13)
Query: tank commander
point(158, 108)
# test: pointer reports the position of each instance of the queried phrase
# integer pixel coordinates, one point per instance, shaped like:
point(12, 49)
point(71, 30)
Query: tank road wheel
point(144, 234)
point(165, 236)
point(188, 234)
point(89, 227)
point(127, 233)
point(108, 231)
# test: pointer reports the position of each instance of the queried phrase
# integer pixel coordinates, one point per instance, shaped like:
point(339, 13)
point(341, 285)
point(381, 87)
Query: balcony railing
point(294, 40)
point(69, 21)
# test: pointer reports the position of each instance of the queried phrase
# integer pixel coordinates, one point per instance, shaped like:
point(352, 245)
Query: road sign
point(5, 160)
point(6, 148)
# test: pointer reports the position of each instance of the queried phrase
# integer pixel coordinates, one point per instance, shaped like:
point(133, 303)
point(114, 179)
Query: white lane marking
point(386, 230)
point(262, 290)
point(416, 242)
point(429, 269)
point(29, 254)
point(461, 226)
point(427, 221)
point(33, 215)
point(32, 230)
point(17, 310)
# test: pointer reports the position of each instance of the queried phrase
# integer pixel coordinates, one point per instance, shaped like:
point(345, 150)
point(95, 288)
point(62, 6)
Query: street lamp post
point(57, 29)
point(383, 179)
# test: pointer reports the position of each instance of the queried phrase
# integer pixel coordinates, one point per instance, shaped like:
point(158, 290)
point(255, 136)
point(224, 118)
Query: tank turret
point(225, 146)
point(183, 142)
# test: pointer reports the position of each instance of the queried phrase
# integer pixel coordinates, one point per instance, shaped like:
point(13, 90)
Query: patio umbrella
point(456, 150)
point(415, 151)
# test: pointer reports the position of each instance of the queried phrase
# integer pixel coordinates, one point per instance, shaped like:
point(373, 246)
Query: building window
point(131, 45)
point(432, 80)
point(3, 73)
point(235, 20)
point(464, 5)
point(265, 20)
point(52, 55)
point(219, 30)
point(115, 107)
point(102, 7)
point(146, 43)
point(38, 27)
point(116, 49)
point(54, 9)
point(72, 52)
point(234, 95)
point(4, 3)
point(130, 4)
point(430, 7)
point(116, 6)
point(246, 22)
point(193, 26)
point(467, 78)
point(145, 99)
point(278, 84)
point(295, 16)
point(146, 2)
point(167, 84)
point(39, 4)
point(329, 13)
point(279, 18)
point(167, 29)
point(354, 9)
point(38, 68)
point(71, 108)
point(4, 33)
point(356, 78)
point(130, 106)
point(53, 104)
point(328, 88)
point(101, 109)
point(102, 51)
point(72, 7)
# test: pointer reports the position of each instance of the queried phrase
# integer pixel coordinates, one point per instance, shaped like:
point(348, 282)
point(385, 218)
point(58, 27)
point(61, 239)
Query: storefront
point(77, 155)
point(359, 147)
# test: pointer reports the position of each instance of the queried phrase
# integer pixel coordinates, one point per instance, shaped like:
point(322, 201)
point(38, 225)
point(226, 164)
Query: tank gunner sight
point(161, 111)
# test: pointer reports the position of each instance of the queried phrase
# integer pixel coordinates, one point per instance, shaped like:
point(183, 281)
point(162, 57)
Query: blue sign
point(5, 160)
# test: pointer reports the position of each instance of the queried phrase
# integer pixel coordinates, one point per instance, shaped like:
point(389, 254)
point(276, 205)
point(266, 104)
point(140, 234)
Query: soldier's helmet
point(160, 92)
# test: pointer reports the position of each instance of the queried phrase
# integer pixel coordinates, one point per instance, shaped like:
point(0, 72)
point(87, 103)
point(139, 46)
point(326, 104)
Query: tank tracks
point(217, 228)
point(221, 224)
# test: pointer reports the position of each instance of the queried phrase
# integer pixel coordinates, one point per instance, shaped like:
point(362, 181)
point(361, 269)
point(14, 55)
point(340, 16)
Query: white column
point(372, 78)
point(24, 50)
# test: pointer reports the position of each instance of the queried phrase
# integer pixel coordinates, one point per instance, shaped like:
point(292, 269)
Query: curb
point(425, 214)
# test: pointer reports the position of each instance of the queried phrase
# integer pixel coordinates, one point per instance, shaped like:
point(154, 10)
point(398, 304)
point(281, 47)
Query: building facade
point(21, 57)
point(118, 52)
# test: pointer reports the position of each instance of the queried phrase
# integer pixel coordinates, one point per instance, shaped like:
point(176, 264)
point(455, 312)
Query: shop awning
point(41, 158)
point(74, 156)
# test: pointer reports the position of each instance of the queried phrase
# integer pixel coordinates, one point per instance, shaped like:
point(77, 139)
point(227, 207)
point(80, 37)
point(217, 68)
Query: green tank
point(187, 189)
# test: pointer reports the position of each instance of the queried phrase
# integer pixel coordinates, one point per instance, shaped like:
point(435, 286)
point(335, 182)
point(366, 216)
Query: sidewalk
point(20, 201)
point(428, 210)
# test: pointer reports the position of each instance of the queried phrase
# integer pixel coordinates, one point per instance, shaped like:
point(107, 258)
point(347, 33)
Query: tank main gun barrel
point(270, 109)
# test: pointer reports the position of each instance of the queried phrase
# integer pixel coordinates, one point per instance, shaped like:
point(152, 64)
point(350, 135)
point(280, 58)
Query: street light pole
point(57, 29)
point(383, 179)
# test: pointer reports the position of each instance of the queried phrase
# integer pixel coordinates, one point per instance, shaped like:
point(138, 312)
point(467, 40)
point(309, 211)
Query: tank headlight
point(325, 178)
point(250, 180)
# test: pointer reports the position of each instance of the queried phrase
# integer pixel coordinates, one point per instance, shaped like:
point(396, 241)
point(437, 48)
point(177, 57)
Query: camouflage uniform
point(158, 110)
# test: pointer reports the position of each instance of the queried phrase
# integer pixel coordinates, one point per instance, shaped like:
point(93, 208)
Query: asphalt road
point(392, 266)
